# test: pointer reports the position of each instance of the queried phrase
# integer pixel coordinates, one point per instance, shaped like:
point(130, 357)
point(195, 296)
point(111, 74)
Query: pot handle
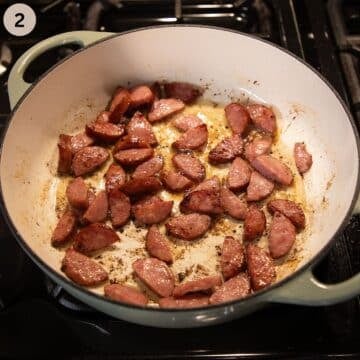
point(16, 84)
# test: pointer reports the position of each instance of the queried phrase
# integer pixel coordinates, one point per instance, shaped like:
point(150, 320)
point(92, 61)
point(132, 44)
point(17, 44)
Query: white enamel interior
point(229, 64)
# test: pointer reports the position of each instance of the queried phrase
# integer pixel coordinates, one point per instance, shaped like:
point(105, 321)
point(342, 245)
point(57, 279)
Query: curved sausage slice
point(303, 159)
point(149, 168)
point(233, 205)
point(80, 141)
point(237, 117)
point(239, 175)
point(202, 201)
point(115, 178)
point(126, 294)
point(212, 184)
point(94, 237)
point(120, 207)
point(140, 130)
point(185, 92)
point(259, 187)
point(262, 117)
point(127, 142)
point(77, 193)
point(204, 284)
point(142, 186)
point(261, 268)
point(232, 257)
point(190, 166)
point(184, 302)
point(82, 270)
point(98, 209)
point(254, 224)
point(188, 227)
point(176, 182)
point(290, 209)
point(186, 122)
point(273, 169)
point(88, 159)
point(64, 229)
point(141, 95)
point(163, 108)
point(192, 139)
point(156, 275)
point(132, 157)
point(157, 245)
point(235, 288)
point(257, 147)
point(282, 236)
point(65, 154)
point(226, 150)
point(119, 104)
point(152, 210)
point(105, 131)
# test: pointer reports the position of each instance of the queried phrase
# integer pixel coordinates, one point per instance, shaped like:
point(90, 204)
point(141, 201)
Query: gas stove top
point(38, 318)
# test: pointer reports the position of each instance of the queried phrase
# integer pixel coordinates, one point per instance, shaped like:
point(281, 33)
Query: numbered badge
point(19, 19)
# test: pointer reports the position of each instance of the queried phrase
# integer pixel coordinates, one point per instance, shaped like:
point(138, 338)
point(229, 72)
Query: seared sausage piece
point(132, 157)
point(104, 116)
point(232, 257)
point(163, 108)
point(273, 169)
point(186, 122)
point(126, 294)
point(140, 130)
point(64, 229)
point(141, 95)
point(152, 210)
point(185, 92)
point(204, 284)
point(105, 131)
point(149, 168)
point(192, 139)
point(120, 207)
point(212, 184)
point(184, 302)
point(290, 209)
point(235, 288)
point(115, 178)
point(281, 236)
point(259, 187)
point(127, 142)
point(77, 193)
point(157, 245)
point(156, 275)
point(239, 175)
point(88, 159)
point(176, 182)
point(82, 270)
point(202, 201)
point(237, 118)
point(254, 224)
point(119, 104)
point(65, 154)
point(227, 150)
point(188, 227)
point(303, 159)
point(94, 237)
point(190, 166)
point(80, 141)
point(232, 204)
point(257, 147)
point(142, 186)
point(98, 209)
point(263, 118)
point(260, 267)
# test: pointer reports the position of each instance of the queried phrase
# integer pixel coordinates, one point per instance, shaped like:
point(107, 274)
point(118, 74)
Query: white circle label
point(19, 19)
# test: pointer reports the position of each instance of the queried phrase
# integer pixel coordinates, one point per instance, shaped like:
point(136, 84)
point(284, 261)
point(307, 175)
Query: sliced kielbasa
point(119, 205)
point(64, 229)
point(98, 209)
point(232, 257)
point(105, 131)
point(237, 117)
point(190, 166)
point(163, 108)
point(303, 159)
point(290, 209)
point(127, 142)
point(203, 284)
point(115, 178)
point(133, 157)
point(104, 116)
point(239, 175)
point(186, 122)
point(202, 201)
point(149, 168)
point(226, 150)
point(142, 186)
point(80, 141)
point(158, 245)
point(119, 104)
point(257, 147)
point(262, 117)
point(88, 159)
point(141, 95)
point(233, 205)
point(77, 193)
point(192, 139)
point(65, 154)
point(152, 210)
point(188, 93)
point(176, 182)
point(126, 294)
point(140, 130)
point(254, 224)
point(259, 187)
point(184, 302)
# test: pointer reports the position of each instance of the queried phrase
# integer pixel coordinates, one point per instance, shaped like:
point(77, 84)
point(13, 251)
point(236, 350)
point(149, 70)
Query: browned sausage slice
point(303, 159)
point(80, 141)
point(202, 201)
point(260, 267)
point(232, 257)
point(186, 122)
point(273, 169)
point(115, 178)
point(156, 275)
point(186, 92)
point(237, 117)
point(158, 245)
point(140, 130)
point(126, 294)
point(141, 95)
point(259, 187)
point(235, 288)
point(188, 227)
point(203, 284)
point(262, 117)
point(105, 131)
point(290, 209)
point(88, 159)
point(282, 236)
point(120, 207)
point(212, 184)
point(152, 210)
point(184, 302)
point(190, 166)
point(239, 175)
point(176, 182)
point(192, 139)
point(77, 193)
point(257, 147)
point(64, 229)
point(149, 168)
point(127, 142)
point(82, 270)
point(132, 157)
point(163, 108)
point(94, 237)
point(233, 205)
point(254, 224)
point(104, 116)
point(98, 209)
point(142, 186)
point(226, 150)
point(65, 154)
point(119, 104)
